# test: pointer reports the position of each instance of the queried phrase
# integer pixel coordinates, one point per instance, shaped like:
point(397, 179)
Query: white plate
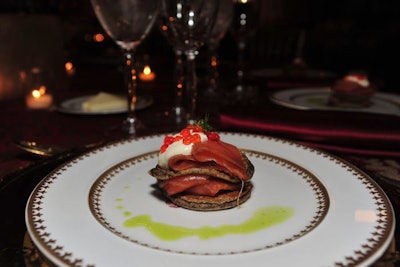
point(317, 99)
point(74, 106)
point(341, 217)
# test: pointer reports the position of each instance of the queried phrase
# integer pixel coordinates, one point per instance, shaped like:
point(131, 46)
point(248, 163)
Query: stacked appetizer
point(198, 171)
point(353, 90)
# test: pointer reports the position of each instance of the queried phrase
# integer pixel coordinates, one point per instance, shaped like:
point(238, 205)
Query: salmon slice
point(196, 184)
point(214, 155)
point(181, 183)
point(212, 188)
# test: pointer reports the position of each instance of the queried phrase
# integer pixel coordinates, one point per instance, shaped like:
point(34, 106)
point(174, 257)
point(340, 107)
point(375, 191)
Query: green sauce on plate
point(262, 218)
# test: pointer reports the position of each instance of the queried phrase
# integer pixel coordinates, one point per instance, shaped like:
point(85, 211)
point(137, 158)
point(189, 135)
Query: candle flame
point(147, 70)
point(69, 66)
point(36, 93)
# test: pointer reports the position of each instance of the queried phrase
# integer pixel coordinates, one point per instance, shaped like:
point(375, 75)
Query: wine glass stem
point(213, 71)
point(191, 84)
point(179, 79)
point(131, 86)
point(240, 70)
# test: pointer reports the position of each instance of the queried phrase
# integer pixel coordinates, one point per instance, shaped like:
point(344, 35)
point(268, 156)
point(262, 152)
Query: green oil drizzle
point(317, 101)
point(263, 218)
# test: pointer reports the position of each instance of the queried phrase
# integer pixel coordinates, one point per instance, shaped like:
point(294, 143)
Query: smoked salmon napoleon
point(198, 171)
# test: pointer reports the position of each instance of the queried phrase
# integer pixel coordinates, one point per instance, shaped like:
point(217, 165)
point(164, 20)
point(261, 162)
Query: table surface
point(22, 171)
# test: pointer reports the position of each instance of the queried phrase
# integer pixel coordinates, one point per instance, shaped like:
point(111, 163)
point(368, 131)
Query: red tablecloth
point(352, 133)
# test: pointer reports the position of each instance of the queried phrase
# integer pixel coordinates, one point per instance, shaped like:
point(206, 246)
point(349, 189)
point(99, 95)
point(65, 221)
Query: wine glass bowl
point(127, 22)
point(222, 22)
point(191, 22)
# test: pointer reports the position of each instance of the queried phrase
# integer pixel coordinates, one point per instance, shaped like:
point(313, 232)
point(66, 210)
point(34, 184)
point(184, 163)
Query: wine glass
point(221, 25)
point(243, 27)
point(127, 22)
point(191, 21)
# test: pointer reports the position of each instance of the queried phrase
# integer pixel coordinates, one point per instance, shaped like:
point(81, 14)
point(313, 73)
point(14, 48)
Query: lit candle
point(147, 75)
point(69, 68)
point(39, 99)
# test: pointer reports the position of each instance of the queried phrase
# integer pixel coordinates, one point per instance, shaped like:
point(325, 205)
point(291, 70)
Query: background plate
point(317, 99)
point(74, 106)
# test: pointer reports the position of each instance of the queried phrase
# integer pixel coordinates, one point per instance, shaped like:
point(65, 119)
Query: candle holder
point(147, 75)
point(38, 95)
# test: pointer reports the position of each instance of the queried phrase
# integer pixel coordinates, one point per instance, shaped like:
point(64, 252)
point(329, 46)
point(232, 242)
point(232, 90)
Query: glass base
point(242, 94)
point(177, 116)
point(210, 91)
point(129, 128)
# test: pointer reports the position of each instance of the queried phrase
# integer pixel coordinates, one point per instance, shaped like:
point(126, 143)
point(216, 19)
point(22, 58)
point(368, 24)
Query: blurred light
point(179, 10)
point(214, 62)
point(147, 74)
point(69, 66)
point(36, 93)
point(147, 70)
point(98, 37)
point(365, 216)
point(42, 90)
point(22, 76)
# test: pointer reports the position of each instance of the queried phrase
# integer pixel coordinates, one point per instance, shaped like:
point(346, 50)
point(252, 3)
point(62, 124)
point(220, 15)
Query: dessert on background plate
point(352, 91)
point(104, 101)
point(198, 171)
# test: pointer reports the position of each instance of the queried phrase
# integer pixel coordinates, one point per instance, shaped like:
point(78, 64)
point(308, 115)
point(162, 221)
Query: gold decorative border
point(37, 223)
point(321, 198)
point(384, 210)
point(385, 218)
point(46, 241)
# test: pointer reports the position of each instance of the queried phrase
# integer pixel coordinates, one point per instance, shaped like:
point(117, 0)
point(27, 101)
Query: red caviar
point(188, 135)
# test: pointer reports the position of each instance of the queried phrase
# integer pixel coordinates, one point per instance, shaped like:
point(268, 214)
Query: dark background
point(341, 35)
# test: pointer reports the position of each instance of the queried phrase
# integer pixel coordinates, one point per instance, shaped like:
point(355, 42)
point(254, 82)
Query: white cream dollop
point(359, 79)
point(177, 148)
